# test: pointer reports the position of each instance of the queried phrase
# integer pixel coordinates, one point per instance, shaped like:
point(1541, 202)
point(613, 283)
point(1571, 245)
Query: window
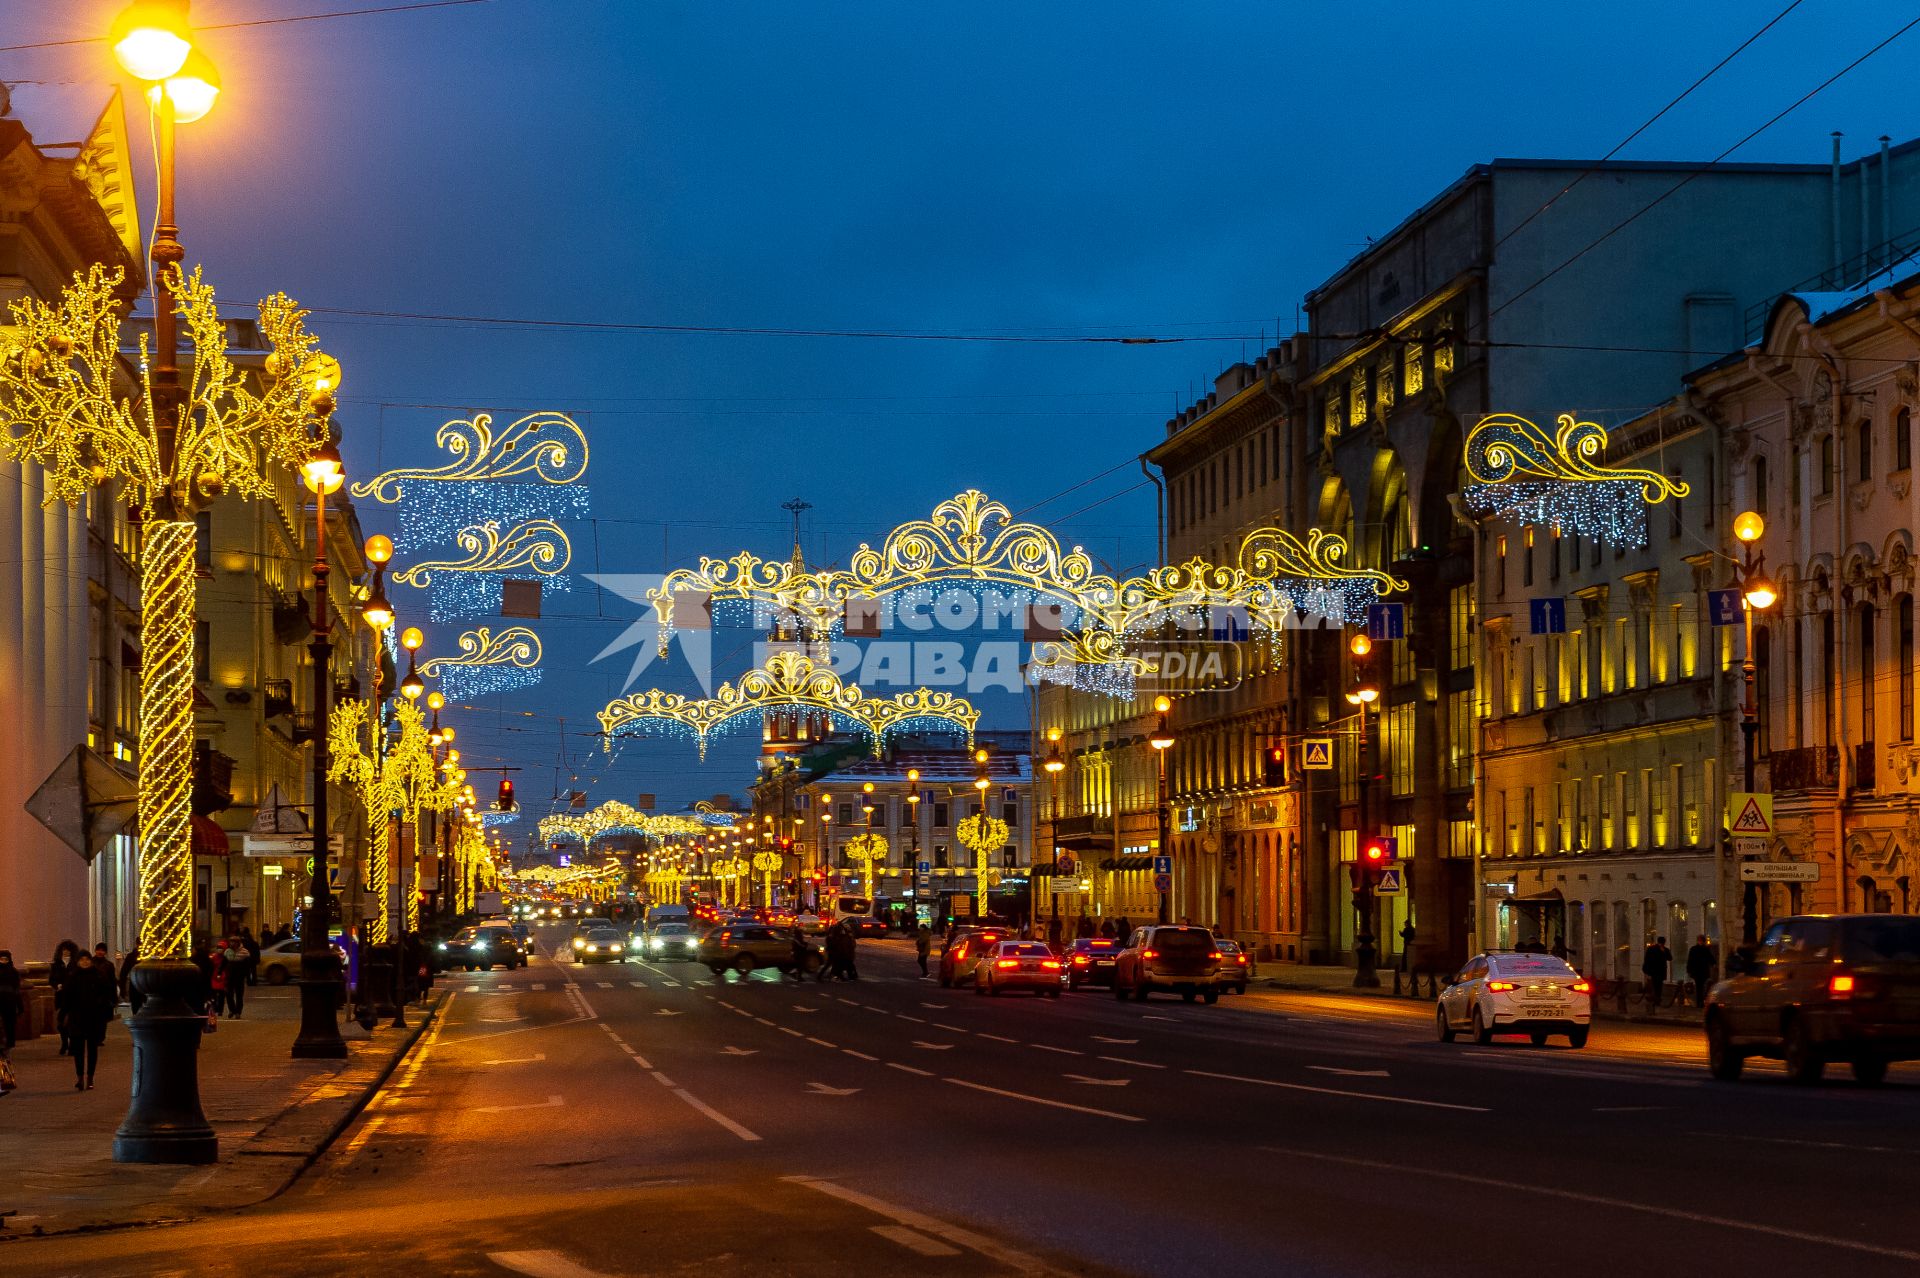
point(203, 539)
point(1866, 674)
point(1011, 814)
point(939, 816)
point(1903, 439)
point(846, 814)
point(1759, 472)
point(1460, 627)
point(1903, 613)
point(1398, 723)
point(1500, 566)
point(1863, 444)
point(1459, 739)
point(1414, 378)
point(1553, 554)
point(940, 856)
point(1526, 564)
point(1826, 466)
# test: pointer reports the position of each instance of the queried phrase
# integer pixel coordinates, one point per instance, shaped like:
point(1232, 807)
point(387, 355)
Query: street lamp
point(1362, 695)
point(1055, 764)
point(913, 809)
point(412, 687)
point(1162, 739)
point(1757, 594)
point(319, 1035)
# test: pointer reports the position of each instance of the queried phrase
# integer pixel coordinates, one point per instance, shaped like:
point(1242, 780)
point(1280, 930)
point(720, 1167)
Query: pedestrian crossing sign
point(1316, 754)
point(1749, 814)
point(1390, 884)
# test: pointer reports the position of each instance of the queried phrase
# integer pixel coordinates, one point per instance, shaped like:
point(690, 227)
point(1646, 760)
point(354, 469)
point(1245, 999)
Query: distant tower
point(795, 728)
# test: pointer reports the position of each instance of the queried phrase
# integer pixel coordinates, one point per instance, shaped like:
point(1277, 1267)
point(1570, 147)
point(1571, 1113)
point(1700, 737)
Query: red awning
point(209, 839)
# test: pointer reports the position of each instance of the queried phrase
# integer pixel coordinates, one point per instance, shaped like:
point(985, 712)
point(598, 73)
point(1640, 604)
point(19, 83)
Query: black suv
point(480, 948)
point(1823, 987)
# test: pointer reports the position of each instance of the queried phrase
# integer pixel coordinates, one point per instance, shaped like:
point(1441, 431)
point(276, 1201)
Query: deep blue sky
point(1059, 167)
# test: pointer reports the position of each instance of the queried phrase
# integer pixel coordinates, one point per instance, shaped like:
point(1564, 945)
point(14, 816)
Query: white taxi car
point(1531, 994)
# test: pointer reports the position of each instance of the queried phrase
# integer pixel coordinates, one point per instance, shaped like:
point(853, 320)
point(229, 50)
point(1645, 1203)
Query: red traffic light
point(1379, 850)
point(504, 801)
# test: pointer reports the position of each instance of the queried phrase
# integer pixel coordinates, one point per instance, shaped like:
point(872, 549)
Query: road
point(566, 1121)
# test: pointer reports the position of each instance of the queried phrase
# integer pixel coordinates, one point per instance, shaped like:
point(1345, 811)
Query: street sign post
point(1316, 754)
point(1780, 872)
point(1163, 865)
point(1724, 607)
point(1749, 813)
point(1390, 884)
point(1386, 621)
point(1548, 615)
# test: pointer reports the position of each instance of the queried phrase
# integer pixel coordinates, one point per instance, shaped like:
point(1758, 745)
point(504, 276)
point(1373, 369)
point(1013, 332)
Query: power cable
point(262, 22)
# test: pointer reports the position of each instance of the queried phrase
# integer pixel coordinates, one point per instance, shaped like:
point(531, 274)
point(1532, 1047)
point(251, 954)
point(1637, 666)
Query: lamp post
point(913, 809)
point(1757, 593)
point(378, 958)
point(1055, 764)
point(319, 1035)
point(1361, 696)
point(982, 783)
point(1162, 739)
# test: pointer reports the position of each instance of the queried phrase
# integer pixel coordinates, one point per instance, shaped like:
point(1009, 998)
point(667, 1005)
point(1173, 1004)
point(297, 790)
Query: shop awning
point(1135, 862)
point(1549, 897)
point(209, 839)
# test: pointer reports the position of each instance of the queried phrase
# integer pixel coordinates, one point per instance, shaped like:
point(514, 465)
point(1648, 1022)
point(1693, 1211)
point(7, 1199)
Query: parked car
point(1180, 959)
point(601, 945)
point(281, 963)
point(1236, 967)
point(746, 946)
point(482, 948)
point(958, 958)
point(1018, 965)
point(1822, 988)
point(1090, 960)
point(1532, 994)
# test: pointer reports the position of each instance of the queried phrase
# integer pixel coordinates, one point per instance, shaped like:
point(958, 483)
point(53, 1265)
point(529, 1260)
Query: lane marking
point(1171, 1020)
point(763, 1020)
point(731, 1050)
point(1623, 1109)
point(1350, 1073)
point(663, 1080)
point(796, 1033)
point(518, 1060)
point(998, 1038)
point(1121, 1060)
point(1601, 1200)
point(938, 1007)
point(914, 1240)
point(1064, 1051)
point(862, 1055)
point(551, 1102)
point(1099, 1082)
point(1102, 1038)
point(361, 1137)
point(666, 1012)
point(933, 1047)
point(1018, 1261)
point(908, 1069)
point(802, 1007)
point(917, 1020)
point(1336, 1091)
point(605, 985)
point(537, 985)
point(822, 1042)
point(1811, 1144)
point(1041, 1100)
point(821, 1089)
point(542, 1264)
point(951, 1028)
point(714, 1114)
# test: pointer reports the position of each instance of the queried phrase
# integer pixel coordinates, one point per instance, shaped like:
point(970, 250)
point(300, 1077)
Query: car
point(1533, 994)
point(957, 959)
point(481, 948)
point(864, 925)
point(524, 935)
point(1018, 965)
point(1236, 966)
point(601, 945)
point(281, 963)
point(812, 924)
point(746, 946)
point(583, 928)
point(672, 941)
point(1179, 958)
point(1090, 960)
point(1821, 989)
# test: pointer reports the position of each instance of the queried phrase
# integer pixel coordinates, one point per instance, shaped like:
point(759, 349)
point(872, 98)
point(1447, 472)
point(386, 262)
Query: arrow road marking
point(1350, 1073)
point(551, 1102)
point(1099, 1082)
point(938, 1007)
point(737, 1051)
point(821, 1089)
point(665, 1011)
point(1102, 1038)
point(933, 1047)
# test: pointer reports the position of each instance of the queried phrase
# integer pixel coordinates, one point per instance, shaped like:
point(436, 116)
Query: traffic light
point(504, 802)
point(1273, 765)
point(1378, 851)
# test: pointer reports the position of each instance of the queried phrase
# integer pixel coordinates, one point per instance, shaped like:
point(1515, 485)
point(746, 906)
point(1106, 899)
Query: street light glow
point(191, 91)
point(1748, 526)
point(151, 39)
point(1761, 594)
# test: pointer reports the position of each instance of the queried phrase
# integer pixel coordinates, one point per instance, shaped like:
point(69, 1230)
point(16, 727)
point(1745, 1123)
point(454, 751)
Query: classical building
point(1101, 821)
point(69, 619)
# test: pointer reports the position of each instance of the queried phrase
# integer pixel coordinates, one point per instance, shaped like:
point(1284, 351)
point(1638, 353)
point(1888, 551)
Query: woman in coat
point(91, 997)
point(58, 971)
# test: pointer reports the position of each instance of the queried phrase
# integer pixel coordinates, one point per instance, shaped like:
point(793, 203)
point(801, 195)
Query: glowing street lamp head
point(192, 91)
point(411, 638)
point(1055, 764)
point(324, 472)
point(1162, 704)
point(1760, 593)
point(379, 548)
point(437, 701)
point(1748, 526)
point(412, 687)
point(376, 611)
point(1360, 645)
point(151, 38)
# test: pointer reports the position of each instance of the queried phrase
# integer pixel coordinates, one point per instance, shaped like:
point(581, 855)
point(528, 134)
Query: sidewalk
point(1324, 979)
point(273, 1115)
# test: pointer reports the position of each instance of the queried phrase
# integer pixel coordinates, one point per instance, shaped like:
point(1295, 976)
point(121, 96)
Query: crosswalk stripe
point(473, 989)
point(605, 985)
point(638, 985)
point(537, 985)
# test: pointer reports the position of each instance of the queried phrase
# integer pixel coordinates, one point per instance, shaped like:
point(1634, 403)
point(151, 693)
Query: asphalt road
point(567, 1121)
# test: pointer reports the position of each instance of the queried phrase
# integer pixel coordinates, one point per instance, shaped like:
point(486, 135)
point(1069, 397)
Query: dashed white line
point(1337, 1091)
point(862, 1055)
point(1064, 1051)
point(823, 1042)
point(951, 1028)
point(1121, 1060)
point(998, 1038)
point(1041, 1100)
point(908, 1069)
point(914, 1240)
point(663, 1080)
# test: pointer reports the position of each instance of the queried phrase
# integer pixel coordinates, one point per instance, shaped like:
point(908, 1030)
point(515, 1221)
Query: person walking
point(923, 946)
point(91, 998)
point(64, 956)
point(253, 955)
point(129, 994)
point(1655, 963)
point(235, 962)
point(1083, 926)
point(1700, 965)
point(1107, 928)
point(9, 1002)
point(1123, 929)
point(1053, 931)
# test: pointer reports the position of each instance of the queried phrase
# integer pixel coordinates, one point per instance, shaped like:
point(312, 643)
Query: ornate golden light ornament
point(547, 445)
point(1522, 471)
point(484, 657)
point(539, 544)
point(788, 679)
point(868, 849)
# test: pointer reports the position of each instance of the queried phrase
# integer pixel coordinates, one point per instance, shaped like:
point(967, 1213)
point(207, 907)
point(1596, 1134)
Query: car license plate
point(1029, 965)
point(1539, 1009)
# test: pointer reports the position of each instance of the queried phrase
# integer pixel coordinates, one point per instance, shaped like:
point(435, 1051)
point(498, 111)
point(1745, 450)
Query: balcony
point(303, 725)
point(278, 694)
point(1806, 768)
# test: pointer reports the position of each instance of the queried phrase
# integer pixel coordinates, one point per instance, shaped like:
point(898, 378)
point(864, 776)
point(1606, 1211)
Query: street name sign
point(1779, 872)
point(288, 844)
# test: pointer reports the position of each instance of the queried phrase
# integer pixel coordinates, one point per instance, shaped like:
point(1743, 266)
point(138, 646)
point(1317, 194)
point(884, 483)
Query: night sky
point(1059, 169)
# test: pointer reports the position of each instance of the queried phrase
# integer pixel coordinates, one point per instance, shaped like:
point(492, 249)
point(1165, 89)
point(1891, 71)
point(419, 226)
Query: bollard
point(1396, 982)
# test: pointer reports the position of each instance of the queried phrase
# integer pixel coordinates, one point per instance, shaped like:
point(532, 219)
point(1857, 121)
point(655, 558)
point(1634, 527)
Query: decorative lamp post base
point(1365, 974)
point(320, 990)
point(164, 1122)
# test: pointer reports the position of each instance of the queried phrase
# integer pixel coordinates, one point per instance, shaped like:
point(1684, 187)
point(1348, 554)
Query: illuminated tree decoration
point(487, 662)
point(985, 835)
point(357, 760)
point(768, 863)
point(548, 445)
point(1522, 472)
point(788, 679)
point(972, 539)
point(867, 848)
point(61, 409)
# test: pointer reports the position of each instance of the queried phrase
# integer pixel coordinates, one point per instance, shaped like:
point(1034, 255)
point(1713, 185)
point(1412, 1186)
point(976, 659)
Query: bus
point(852, 907)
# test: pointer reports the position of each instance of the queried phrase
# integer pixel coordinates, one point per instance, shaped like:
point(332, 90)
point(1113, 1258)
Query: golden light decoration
point(788, 679)
point(615, 817)
point(1522, 471)
point(62, 408)
point(974, 539)
point(357, 761)
point(515, 646)
point(867, 848)
point(985, 835)
point(539, 544)
point(549, 445)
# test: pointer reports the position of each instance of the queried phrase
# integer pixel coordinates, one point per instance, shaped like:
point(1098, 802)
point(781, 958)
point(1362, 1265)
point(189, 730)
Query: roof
point(936, 767)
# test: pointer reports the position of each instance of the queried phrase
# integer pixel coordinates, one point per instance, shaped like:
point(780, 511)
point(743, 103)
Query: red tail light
point(1241, 959)
point(1581, 987)
point(1501, 987)
point(1214, 954)
point(1003, 964)
point(1080, 960)
point(1841, 986)
point(1052, 965)
point(1149, 953)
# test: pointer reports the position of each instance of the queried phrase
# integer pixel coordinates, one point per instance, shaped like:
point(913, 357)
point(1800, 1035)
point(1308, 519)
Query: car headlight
point(578, 943)
point(479, 945)
point(443, 945)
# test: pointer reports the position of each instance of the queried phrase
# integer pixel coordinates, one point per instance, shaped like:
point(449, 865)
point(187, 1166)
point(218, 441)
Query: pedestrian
point(1654, 964)
point(1406, 944)
point(64, 956)
point(218, 978)
point(253, 955)
point(802, 954)
point(851, 949)
point(9, 1001)
point(1053, 931)
point(1700, 966)
point(1123, 929)
point(1083, 926)
point(923, 945)
point(90, 1002)
point(1107, 928)
point(236, 961)
point(129, 992)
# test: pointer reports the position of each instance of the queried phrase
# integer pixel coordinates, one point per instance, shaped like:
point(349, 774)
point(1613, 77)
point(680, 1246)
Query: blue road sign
point(1386, 621)
point(1548, 614)
point(925, 867)
point(1163, 865)
point(1724, 605)
point(1163, 883)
